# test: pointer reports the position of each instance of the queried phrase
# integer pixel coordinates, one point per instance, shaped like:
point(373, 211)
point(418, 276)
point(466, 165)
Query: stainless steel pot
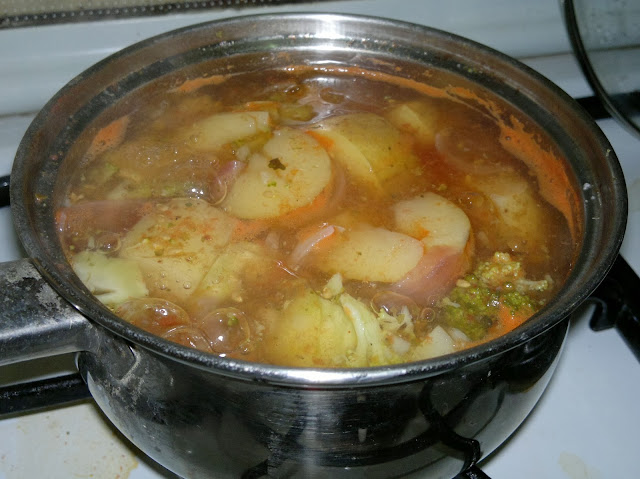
point(204, 416)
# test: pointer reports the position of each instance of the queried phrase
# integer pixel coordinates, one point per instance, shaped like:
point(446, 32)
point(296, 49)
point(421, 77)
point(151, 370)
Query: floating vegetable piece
point(472, 149)
point(437, 343)
point(472, 310)
point(368, 146)
point(434, 220)
point(365, 253)
point(445, 232)
point(520, 217)
point(418, 118)
point(222, 128)
point(311, 331)
point(176, 244)
point(372, 347)
point(111, 280)
point(290, 172)
point(294, 113)
point(231, 275)
point(497, 290)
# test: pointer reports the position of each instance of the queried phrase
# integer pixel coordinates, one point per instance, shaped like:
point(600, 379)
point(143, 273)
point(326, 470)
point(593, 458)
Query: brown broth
point(360, 173)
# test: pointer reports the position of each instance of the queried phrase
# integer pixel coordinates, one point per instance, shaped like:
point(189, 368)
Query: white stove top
point(586, 424)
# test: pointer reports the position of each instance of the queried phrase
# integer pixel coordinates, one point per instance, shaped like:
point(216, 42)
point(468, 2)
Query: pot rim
point(596, 257)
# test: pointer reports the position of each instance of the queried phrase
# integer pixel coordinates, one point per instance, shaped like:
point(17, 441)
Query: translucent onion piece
point(226, 176)
point(304, 247)
point(393, 303)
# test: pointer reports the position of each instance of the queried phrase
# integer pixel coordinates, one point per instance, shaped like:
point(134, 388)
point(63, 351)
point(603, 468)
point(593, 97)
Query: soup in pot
point(316, 218)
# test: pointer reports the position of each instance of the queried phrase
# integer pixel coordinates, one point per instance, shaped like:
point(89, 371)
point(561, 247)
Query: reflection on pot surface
point(203, 422)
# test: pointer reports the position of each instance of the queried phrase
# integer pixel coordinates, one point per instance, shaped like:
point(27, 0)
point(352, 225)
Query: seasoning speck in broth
point(304, 218)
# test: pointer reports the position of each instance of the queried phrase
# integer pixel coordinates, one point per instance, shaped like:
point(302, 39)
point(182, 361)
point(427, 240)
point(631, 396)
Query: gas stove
point(585, 425)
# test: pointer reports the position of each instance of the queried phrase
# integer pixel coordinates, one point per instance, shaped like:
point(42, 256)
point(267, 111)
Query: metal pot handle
point(36, 322)
point(618, 305)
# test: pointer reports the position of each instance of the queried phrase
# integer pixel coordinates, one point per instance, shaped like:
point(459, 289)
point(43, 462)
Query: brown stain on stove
point(68, 443)
point(575, 468)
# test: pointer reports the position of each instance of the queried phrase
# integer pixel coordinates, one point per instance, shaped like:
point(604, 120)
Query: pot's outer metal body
point(204, 416)
point(205, 425)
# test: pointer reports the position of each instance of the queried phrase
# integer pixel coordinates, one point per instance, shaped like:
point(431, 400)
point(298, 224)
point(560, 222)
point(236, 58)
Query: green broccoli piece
point(473, 305)
point(471, 309)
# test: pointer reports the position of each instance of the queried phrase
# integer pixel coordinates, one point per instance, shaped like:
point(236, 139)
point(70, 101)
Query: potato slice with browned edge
point(434, 220)
point(289, 173)
point(368, 146)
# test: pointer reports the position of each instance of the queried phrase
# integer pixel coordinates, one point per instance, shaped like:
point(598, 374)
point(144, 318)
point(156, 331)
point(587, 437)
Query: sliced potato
point(437, 343)
point(521, 218)
point(366, 253)
point(368, 146)
point(222, 128)
point(434, 220)
point(445, 232)
point(111, 280)
point(311, 331)
point(224, 280)
point(418, 118)
point(292, 170)
point(176, 244)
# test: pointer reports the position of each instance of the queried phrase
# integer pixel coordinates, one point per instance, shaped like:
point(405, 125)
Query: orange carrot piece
point(197, 83)
point(248, 229)
point(326, 142)
point(510, 319)
point(109, 137)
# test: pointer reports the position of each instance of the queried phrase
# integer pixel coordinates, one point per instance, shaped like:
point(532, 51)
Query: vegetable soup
point(316, 217)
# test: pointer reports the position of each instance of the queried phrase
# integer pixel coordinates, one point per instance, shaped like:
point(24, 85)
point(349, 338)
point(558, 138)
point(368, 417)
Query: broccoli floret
point(471, 309)
point(474, 304)
point(517, 301)
point(501, 271)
